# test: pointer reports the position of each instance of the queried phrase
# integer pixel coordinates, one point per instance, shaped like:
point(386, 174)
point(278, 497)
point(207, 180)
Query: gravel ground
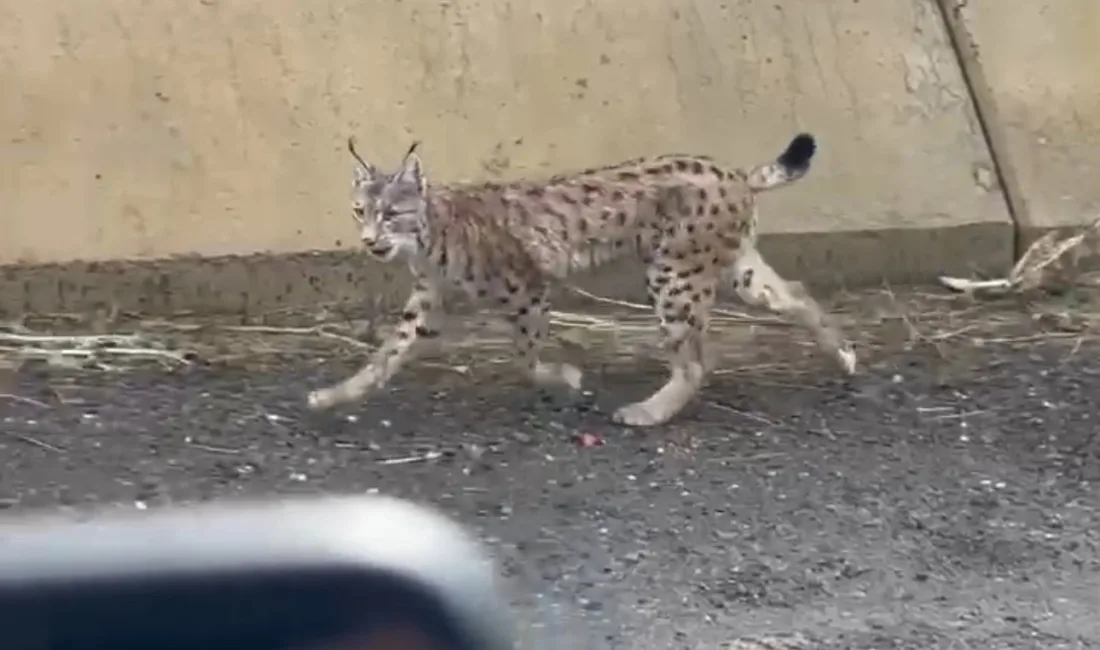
point(942, 499)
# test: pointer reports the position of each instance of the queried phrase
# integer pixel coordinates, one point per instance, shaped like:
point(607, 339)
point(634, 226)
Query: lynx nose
point(368, 234)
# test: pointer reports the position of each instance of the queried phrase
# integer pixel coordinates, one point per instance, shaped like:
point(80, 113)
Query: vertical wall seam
point(966, 53)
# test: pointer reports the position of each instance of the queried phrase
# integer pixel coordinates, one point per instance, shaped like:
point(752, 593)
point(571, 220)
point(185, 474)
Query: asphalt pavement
point(937, 500)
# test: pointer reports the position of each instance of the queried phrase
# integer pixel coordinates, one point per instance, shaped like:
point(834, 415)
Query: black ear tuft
point(799, 152)
point(367, 167)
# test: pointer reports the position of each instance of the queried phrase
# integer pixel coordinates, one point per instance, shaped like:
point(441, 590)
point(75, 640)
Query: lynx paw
point(321, 399)
point(571, 376)
point(558, 374)
point(640, 414)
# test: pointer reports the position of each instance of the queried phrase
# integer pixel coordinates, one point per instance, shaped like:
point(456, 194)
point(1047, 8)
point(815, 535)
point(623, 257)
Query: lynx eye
point(389, 213)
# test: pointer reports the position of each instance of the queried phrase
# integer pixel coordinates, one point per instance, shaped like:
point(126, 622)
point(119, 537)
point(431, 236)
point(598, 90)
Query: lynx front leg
point(531, 323)
point(757, 283)
point(420, 320)
point(683, 306)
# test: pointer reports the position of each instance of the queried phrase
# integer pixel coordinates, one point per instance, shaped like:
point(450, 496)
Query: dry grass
point(1043, 299)
point(879, 321)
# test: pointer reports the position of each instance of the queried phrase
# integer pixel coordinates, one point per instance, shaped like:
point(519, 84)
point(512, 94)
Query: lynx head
point(390, 208)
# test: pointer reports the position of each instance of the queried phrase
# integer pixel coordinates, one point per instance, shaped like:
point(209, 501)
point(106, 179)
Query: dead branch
point(726, 313)
point(24, 400)
point(147, 353)
point(1039, 264)
point(79, 341)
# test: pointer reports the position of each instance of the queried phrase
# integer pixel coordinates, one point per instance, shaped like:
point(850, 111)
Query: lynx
point(691, 221)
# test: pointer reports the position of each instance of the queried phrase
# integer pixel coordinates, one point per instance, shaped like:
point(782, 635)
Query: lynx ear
point(413, 169)
point(364, 171)
point(362, 174)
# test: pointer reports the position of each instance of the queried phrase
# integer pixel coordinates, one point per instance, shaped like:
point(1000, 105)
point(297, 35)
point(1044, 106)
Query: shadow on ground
point(924, 504)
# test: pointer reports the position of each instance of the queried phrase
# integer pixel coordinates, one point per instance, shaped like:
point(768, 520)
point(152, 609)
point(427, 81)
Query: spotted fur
point(690, 220)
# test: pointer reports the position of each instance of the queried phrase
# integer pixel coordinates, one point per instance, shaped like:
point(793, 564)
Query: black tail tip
point(799, 152)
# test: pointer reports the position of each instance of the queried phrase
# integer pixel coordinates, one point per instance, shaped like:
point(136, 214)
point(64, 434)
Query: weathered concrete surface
point(1035, 74)
point(234, 284)
point(256, 283)
point(140, 132)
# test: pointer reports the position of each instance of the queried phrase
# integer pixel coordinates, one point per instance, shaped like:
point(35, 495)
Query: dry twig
point(63, 350)
point(405, 460)
point(34, 441)
point(24, 400)
point(147, 353)
point(726, 314)
point(80, 341)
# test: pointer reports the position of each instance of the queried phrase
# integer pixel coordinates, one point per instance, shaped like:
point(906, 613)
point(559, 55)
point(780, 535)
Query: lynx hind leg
point(531, 326)
point(683, 306)
point(421, 320)
point(757, 283)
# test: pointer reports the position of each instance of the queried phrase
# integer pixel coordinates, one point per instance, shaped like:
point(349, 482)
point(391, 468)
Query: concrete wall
point(1035, 72)
point(190, 155)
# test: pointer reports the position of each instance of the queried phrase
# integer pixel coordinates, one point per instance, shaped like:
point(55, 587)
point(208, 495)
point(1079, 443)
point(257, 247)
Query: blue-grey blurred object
point(283, 575)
